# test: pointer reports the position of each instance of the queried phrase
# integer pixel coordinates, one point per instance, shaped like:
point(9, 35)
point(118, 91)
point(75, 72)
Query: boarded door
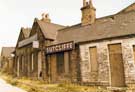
point(53, 68)
point(116, 65)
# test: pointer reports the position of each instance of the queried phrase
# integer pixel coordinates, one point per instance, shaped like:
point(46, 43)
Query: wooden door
point(116, 65)
point(53, 68)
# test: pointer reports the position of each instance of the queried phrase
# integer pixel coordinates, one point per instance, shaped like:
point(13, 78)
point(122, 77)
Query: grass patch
point(41, 86)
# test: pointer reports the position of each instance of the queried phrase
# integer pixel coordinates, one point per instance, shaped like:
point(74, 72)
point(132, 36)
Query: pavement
point(5, 87)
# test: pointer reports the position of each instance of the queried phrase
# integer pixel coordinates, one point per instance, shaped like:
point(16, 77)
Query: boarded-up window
point(60, 63)
point(67, 62)
point(23, 63)
point(32, 61)
point(18, 67)
point(21, 68)
point(93, 59)
point(47, 64)
point(39, 64)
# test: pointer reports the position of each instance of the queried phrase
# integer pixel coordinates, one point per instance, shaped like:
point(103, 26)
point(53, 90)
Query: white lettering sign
point(59, 47)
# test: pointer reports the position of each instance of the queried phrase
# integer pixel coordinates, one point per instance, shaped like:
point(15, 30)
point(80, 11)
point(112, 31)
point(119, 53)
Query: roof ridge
point(123, 10)
point(8, 47)
point(51, 23)
point(108, 16)
point(119, 12)
point(68, 27)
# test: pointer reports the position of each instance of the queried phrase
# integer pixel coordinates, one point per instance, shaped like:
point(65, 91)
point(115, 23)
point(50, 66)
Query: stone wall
point(75, 65)
point(104, 75)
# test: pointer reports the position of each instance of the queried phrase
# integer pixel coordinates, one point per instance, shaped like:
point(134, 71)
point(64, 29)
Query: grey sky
point(15, 14)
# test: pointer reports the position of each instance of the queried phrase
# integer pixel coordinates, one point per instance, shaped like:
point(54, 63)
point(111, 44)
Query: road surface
point(5, 87)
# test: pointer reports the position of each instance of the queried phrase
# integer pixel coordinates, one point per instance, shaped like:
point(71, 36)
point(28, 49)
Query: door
point(53, 68)
point(116, 65)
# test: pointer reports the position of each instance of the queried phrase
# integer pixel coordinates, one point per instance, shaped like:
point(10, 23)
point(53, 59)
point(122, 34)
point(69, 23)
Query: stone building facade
point(63, 61)
point(97, 51)
point(30, 60)
point(111, 71)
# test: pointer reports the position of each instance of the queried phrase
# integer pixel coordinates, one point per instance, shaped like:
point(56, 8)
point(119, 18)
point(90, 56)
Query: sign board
point(60, 47)
point(35, 44)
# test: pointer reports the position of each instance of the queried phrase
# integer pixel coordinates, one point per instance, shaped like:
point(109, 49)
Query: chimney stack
point(88, 13)
point(45, 18)
point(84, 3)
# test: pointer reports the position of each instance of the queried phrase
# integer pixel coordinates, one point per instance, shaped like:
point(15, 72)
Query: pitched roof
point(113, 26)
point(26, 32)
point(49, 29)
point(129, 8)
point(6, 51)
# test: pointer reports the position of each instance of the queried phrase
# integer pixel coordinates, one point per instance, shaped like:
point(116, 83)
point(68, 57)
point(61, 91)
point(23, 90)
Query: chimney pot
point(45, 18)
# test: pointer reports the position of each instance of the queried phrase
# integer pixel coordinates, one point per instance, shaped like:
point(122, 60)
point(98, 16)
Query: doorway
point(116, 65)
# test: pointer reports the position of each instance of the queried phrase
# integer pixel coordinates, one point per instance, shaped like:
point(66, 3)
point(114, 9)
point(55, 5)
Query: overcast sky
point(15, 14)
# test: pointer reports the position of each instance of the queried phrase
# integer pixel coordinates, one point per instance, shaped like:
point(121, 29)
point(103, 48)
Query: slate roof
point(117, 25)
point(6, 51)
point(129, 8)
point(120, 24)
point(49, 29)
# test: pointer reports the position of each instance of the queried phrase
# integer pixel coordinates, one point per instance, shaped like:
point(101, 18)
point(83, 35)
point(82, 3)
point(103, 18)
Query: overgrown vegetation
point(41, 86)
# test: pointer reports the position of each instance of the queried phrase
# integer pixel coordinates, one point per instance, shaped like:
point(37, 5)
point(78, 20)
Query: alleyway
point(4, 87)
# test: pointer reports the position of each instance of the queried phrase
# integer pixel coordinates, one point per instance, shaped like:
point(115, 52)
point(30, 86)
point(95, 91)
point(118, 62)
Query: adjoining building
point(19, 65)
point(29, 53)
point(6, 61)
point(97, 51)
